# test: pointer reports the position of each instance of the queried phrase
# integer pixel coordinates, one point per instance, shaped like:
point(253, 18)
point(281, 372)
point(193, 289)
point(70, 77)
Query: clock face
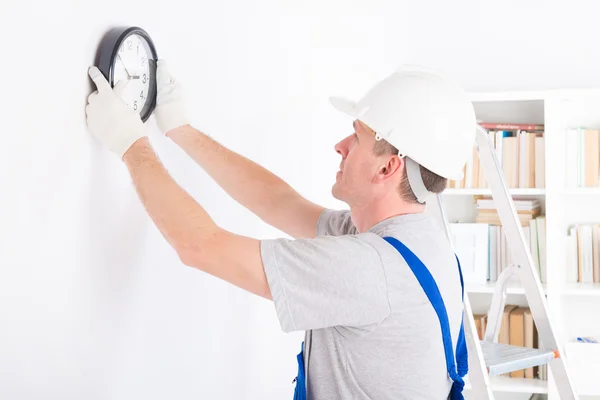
point(128, 54)
point(132, 64)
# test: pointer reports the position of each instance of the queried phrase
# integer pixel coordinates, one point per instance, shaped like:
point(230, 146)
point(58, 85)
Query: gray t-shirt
point(371, 332)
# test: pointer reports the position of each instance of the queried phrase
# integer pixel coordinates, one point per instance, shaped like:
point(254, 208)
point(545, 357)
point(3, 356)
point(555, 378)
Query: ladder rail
point(478, 374)
point(492, 329)
point(523, 260)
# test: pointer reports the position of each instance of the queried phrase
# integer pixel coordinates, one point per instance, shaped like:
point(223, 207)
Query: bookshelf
point(488, 192)
point(488, 288)
point(581, 191)
point(516, 385)
point(582, 289)
point(574, 307)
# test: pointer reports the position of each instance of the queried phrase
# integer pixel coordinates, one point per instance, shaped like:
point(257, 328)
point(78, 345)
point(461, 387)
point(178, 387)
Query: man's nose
point(341, 148)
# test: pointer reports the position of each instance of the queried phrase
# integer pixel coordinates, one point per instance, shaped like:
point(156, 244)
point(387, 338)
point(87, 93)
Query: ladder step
point(503, 358)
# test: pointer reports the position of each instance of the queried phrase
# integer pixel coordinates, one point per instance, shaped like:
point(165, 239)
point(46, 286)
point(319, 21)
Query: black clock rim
point(107, 53)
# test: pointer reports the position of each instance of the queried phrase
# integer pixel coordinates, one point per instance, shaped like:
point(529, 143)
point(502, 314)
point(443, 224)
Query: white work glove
point(109, 118)
point(170, 108)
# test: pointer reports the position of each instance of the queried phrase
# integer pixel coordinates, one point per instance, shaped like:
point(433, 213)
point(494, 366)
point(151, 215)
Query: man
point(379, 323)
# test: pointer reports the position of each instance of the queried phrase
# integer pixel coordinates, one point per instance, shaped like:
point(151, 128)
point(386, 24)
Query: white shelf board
point(488, 192)
point(590, 394)
point(580, 191)
point(533, 95)
point(581, 289)
point(491, 286)
point(516, 385)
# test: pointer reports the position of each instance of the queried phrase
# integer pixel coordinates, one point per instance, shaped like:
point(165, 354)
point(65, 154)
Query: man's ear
point(393, 166)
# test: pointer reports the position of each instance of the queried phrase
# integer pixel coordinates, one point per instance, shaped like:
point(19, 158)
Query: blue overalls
point(457, 368)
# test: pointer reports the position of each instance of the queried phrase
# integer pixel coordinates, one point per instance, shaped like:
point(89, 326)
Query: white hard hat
point(426, 116)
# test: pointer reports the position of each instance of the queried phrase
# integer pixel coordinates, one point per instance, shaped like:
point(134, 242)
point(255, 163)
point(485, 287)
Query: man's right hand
point(170, 110)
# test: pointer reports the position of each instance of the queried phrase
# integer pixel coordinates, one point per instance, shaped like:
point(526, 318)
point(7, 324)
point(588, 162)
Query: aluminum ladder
point(487, 357)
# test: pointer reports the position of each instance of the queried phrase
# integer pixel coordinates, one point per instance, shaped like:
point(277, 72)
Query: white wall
point(93, 302)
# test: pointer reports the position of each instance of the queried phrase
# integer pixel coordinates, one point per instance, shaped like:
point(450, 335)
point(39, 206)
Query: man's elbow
point(190, 257)
point(196, 255)
point(228, 257)
point(193, 251)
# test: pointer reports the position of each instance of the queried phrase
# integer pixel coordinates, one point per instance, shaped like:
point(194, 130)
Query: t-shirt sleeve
point(335, 223)
point(326, 281)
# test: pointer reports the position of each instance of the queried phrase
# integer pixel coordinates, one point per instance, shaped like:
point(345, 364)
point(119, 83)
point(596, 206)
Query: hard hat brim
point(344, 105)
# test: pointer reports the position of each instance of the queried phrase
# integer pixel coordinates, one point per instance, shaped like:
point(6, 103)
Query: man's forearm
point(199, 242)
point(251, 185)
point(181, 220)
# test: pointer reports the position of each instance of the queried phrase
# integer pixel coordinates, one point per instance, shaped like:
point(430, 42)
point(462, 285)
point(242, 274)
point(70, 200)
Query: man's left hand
point(109, 118)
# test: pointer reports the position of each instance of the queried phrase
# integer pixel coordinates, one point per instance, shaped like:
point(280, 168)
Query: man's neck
point(365, 217)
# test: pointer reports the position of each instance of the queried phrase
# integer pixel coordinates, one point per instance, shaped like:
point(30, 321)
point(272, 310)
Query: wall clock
point(128, 53)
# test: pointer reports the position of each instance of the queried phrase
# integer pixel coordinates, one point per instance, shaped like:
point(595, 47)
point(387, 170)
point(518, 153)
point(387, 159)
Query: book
point(572, 261)
point(540, 162)
point(488, 213)
point(480, 324)
point(530, 339)
point(526, 159)
point(590, 157)
point(484, 252)
point(496, 126)
point(541, 232)
point(471, 245)
point(487, 203)
point(520, 155)
point(583, 253)
point(582, 157)
point(504, 334)
point(534, 244)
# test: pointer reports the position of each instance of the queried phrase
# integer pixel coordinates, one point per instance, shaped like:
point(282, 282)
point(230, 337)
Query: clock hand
point(123, 62)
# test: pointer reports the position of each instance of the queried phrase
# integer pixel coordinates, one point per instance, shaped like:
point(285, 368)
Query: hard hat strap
point(413, 171)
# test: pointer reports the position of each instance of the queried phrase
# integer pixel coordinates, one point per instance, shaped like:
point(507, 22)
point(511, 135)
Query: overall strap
point(300, 380)
point(456, 368)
